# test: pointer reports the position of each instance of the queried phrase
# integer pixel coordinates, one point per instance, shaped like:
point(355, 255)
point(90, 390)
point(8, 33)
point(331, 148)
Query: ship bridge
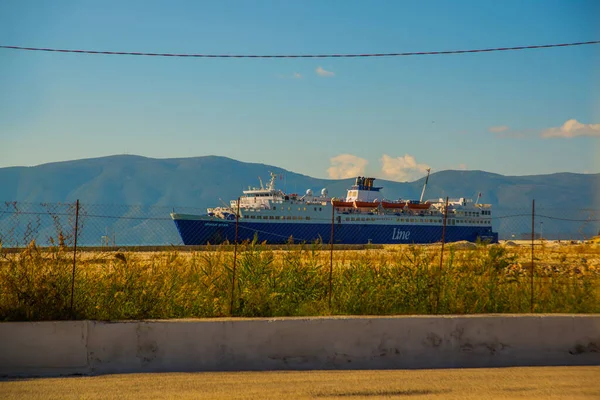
point(363, 190)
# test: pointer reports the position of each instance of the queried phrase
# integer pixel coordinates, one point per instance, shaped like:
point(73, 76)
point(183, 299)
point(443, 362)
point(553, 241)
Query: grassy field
point(35, 283)
point(484, 383)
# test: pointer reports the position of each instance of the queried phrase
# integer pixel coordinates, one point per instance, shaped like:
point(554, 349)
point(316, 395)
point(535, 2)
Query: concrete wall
point(89, 347)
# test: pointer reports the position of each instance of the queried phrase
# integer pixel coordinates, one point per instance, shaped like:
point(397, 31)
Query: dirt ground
point(484, 383)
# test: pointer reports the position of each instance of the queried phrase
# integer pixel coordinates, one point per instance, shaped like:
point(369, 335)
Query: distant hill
point(155, 186)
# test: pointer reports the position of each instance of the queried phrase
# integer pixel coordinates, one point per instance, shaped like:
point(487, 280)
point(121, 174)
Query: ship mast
point(425, 185)
point(271, 184)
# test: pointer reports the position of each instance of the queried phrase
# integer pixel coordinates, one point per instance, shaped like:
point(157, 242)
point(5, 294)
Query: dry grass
point(35, 284)
point(502, 383)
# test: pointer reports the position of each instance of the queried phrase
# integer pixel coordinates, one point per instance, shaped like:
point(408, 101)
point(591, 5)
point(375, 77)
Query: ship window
point(258, 217)
point(319, 208)
point(298, 208)
point(347, 219)
point(289, 208)
point(307, 217)
point(274, 208)
point(288, 217)
point(315, 208)
point(282, 208)
point(304, 208)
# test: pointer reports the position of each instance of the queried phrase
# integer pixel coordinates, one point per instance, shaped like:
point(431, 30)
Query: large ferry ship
point(362, 217)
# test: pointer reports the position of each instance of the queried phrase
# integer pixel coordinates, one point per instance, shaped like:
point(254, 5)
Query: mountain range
point(128, 185)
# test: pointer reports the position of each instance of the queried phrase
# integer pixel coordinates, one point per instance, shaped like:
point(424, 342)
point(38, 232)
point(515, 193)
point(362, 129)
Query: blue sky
point(505, 112)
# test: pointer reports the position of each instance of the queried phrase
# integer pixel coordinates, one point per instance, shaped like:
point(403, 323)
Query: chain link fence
point(123, 226)
point(133, 261)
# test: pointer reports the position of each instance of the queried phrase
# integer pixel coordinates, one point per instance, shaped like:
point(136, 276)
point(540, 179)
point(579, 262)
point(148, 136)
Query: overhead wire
point(357, 55)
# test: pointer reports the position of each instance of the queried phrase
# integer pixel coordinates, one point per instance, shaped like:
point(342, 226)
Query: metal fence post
point(74, 256)
point(444, 233)
point(331, 253)
point(532, 247)
point(237, 218)
point(437, 301)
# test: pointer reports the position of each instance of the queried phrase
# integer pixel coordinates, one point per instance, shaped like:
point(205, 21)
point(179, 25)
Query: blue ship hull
point(201, 232)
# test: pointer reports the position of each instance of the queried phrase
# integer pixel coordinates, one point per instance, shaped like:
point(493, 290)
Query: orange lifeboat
point(365, 204)
point(339, 203)
point(418, 206)
point(392, 204)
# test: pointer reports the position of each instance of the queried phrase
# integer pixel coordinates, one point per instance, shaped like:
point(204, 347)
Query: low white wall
point(43, 348)
point(90, 347)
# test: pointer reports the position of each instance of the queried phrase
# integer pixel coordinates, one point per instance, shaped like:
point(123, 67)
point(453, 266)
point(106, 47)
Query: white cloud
point(346, 166)
point(322, 72)
point(297, 75)
point(498, 129)
point(402, 168)
point(572, 128)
